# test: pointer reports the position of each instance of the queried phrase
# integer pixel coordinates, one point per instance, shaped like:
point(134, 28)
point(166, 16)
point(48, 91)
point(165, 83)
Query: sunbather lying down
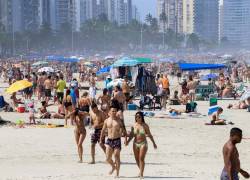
point(216, 120)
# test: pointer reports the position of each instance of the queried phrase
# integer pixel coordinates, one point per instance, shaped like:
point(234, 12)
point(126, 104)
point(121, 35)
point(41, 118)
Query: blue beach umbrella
point(103, 70)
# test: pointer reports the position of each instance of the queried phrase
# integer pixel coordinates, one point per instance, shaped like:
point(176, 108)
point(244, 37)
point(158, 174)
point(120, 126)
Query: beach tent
point(104, 70)
point(193, 66)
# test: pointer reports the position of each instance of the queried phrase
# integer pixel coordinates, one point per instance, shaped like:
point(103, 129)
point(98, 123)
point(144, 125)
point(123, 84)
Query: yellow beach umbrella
point(17, 86)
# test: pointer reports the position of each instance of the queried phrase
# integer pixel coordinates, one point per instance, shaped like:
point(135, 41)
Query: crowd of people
point(104, 113)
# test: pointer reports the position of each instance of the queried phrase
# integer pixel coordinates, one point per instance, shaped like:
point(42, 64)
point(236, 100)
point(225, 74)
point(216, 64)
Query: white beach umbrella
point(46, 69)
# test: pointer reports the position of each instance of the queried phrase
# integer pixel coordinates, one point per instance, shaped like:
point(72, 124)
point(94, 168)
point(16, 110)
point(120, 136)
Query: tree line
point(97, 34)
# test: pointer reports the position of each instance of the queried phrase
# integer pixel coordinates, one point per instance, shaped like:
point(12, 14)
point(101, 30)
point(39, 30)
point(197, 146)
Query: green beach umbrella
point(144, 60)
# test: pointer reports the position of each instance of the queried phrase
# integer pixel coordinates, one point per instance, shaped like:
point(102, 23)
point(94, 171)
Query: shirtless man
point(97, 120)
point(48, 87)
point(80, 131)
point(231, 157)
point(119, 96)
point(191, 85)
point(115, 129)
point(40, 83)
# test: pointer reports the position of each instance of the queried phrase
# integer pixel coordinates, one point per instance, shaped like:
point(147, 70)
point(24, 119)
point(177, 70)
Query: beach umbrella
point(18, 86)
point(209, 76)
point(40, 63)
point(144, 60)
point(104, 70)
point(46, 69)
point(88, 63)
point(109, 58)
point(116, 82)
point(245, 96)
point(127, 62)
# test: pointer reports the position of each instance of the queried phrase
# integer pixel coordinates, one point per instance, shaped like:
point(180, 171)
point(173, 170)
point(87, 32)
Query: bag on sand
point(191, 107)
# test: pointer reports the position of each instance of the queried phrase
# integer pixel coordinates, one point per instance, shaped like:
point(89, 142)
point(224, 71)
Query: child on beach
point(216, 120)
point(32, 114)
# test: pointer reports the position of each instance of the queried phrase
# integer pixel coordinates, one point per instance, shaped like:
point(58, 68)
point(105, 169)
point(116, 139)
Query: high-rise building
point(173, 10)
point(188, 16)
point(88, 9)
point(116, 11)
point(128, 11)
point(236, 22)
point(135, 13)
point(60, 13)
point(17, 16)
point(206, 19)
point(30, 15)
point(6, 14)
point(44, 10)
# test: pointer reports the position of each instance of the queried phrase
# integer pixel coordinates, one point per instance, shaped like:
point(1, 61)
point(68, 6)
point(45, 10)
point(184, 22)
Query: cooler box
point(21, 108)
point(213, 101)
point(132, 107)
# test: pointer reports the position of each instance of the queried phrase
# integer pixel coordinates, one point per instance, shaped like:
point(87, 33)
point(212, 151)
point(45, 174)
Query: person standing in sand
point(140, 131)
point(104, 100)
point(92, 88)
point(97, 120)
point(48, 87)
point(80, 131)
point(231, 157)
point(115, 129)
point(191, 85)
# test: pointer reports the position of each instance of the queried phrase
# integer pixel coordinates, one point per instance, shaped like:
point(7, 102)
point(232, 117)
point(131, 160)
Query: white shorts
point(92, 92)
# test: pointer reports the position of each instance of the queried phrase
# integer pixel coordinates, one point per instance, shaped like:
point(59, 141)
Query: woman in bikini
point(60, 113)
point(67, 101)
point(84, 103)
point(140, 131)
point(80, 131)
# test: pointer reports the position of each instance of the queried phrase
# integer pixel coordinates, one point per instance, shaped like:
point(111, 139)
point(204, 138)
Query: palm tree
point(149, 18)
point(193, 41)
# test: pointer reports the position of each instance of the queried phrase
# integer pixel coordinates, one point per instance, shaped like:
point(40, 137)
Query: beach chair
point(145, 101)
point(204, 91)
point(157, 101)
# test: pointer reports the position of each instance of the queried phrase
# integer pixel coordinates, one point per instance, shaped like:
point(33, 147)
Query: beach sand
point(187, 149)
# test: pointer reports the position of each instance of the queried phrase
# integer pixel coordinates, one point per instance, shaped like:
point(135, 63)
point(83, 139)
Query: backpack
point(191, 107)
point(2, 102)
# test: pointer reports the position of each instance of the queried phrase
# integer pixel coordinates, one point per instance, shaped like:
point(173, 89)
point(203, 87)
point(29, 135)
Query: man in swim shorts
point(113, 144)
point(97, 120)
point(231, 157)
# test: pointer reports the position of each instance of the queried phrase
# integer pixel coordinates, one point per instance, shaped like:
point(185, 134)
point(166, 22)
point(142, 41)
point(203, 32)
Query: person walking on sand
point(115, 129)
point(80, 131)
point(232, 165)
point(140, 131)
point(97, 120)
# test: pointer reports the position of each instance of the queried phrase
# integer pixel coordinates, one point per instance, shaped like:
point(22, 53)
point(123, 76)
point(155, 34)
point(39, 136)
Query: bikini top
point(139, 132)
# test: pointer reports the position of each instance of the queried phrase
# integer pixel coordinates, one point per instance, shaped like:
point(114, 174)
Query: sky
point(145, 7)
